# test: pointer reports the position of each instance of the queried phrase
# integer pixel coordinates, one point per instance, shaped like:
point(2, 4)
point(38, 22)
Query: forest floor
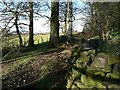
point(43, 70)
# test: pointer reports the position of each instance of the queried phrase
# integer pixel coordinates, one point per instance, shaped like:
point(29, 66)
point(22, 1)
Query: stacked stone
point(91, 70)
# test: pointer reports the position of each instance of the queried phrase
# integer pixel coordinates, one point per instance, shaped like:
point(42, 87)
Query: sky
point(40, 25)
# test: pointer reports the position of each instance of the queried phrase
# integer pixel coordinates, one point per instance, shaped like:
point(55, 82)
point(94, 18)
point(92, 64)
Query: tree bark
point(65, 25)
point(65, 20)
point(17, 30)
point(31, 35)
point(54, 23)
point(69, 32)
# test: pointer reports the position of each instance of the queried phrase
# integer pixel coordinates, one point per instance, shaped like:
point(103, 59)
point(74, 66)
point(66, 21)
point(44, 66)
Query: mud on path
point(35, 70)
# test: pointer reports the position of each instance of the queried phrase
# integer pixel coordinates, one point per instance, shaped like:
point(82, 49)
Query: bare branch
point(23, 24)
point(42, 15)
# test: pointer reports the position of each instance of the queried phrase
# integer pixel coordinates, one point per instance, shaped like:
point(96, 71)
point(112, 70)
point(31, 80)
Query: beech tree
point(13, 11)
point(63, 15)
point(17, 28)
point(31, 40)
point(54, 23)
point(70, 22)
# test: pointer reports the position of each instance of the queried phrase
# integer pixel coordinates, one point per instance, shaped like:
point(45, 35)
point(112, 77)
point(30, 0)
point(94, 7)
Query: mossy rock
point(108, 75)
point(113, 86)
point(78, 65)
point(77, 81)
point(84, 87)
point(75, 74)
point(84, 53)
point(113, 75)
point(90, 71)
point(74, 87)
point(83, 59)
point(88, 81)
point(69, 83)
point(100, 85)
point(91, 82)
point(101, 63)
point(112, 59)
point(81, 86)
point(100, 73)
point(92, 51)
point(116, 68)
point(92, 57)
point(84, 80)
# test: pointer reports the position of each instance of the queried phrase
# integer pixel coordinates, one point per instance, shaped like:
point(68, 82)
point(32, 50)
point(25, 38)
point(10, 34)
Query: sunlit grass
point(13, 40)
point(7, 69)
point(40, 38)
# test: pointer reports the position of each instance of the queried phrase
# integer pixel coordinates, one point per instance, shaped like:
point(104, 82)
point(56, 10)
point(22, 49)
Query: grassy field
point(13, 40)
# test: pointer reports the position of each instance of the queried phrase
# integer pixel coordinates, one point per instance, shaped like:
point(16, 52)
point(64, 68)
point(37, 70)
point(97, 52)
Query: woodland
point(63, 58)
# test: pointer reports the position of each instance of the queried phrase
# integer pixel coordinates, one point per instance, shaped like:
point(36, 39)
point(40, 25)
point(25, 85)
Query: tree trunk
point(94, 16)
point(17, 30)
point(65, 25)
point(54, 33)
point(65, 20)
point(31, 41)
point(69, 32)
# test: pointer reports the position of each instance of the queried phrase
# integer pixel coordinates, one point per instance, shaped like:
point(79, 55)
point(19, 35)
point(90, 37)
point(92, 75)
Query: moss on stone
point(83, 59)
point(79, 65)
point(77, 81)
point(108, 75)
point(92, 57)
point(113, 75)
point(92, 51)
point(115, 87)
point(75, 74)
point(74, 87)
point(99, 85)
point(81, 86)
point(84, 53)
point(84, 79)
point(92, 82)
point(100, 73)
point(113, 59)
point(69, 83)
point(101, 63)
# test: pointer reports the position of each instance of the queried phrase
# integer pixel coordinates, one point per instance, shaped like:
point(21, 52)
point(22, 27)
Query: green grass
point(26, 55)
point(13, 40)
point(7, 69)
point(41, 38)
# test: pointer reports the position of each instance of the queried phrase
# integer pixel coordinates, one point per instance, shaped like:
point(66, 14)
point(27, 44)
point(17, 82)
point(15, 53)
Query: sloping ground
point(35, 70)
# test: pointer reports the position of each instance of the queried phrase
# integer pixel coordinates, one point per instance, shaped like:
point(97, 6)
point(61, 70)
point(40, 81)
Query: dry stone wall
point(93, 70)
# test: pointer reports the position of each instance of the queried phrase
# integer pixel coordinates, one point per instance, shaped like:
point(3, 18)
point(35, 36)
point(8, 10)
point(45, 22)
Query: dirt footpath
point(36, 69)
